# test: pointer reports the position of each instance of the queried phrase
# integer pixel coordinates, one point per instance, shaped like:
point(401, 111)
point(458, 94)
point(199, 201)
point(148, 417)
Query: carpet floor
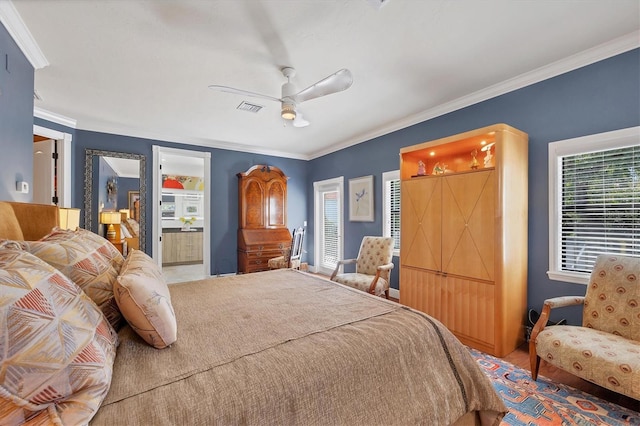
point(544, 402)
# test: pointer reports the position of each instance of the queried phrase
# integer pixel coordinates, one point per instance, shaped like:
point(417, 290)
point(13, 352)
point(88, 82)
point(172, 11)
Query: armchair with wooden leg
point(605, 349)
point(373, 267)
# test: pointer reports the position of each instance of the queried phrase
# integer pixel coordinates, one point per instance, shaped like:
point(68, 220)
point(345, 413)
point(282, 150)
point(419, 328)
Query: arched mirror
point(114, 182)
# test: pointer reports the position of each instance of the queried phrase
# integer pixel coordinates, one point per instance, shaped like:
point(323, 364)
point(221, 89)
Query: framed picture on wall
point(361, 199)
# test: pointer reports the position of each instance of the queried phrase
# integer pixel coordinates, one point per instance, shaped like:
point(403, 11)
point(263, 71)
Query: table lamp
point(110, 219)
point(68, 218)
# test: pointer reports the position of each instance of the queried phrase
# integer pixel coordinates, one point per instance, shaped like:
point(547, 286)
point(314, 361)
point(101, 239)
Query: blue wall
point(124, 186)
point(223, 192)
point(105, 172)
point(16, 119)
point(597, 98)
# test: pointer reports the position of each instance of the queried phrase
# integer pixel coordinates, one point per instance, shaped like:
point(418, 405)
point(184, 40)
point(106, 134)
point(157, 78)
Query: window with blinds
point(330, 227)
point(597, 208)
point(391, 210)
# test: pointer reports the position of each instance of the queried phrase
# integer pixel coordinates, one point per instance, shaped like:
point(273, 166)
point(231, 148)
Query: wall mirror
point(114, 181)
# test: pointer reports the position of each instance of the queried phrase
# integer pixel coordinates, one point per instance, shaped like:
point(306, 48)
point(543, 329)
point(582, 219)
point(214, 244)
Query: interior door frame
point(319, 187)
point(157, 197)
point(63, 141)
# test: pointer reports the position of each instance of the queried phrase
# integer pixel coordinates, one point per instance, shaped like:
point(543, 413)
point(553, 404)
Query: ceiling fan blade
point(299, 121)
point(242, 92)
point(337, 82)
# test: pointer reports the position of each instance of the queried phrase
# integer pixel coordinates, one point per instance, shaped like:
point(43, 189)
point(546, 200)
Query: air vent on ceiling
point(378, 3)
point(36, 96)
point(246, 106)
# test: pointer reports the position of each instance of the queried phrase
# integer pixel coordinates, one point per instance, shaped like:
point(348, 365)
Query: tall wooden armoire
point(463, 249)
point(262, 217)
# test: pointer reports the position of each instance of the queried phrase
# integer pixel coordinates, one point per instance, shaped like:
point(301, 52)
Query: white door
point(44, 172)
point(328, 196)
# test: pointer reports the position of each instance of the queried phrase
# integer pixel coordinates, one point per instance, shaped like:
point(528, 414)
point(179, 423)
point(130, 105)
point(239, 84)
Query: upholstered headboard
point(26, 221)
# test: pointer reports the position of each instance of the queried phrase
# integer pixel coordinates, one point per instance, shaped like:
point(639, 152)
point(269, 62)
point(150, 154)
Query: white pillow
point(144, 300)
point(125, 232)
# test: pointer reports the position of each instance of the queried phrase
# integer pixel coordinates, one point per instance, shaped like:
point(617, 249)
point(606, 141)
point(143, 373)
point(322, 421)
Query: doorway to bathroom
point(181, 219)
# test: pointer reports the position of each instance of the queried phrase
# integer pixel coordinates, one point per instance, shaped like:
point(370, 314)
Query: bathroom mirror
point(113, 181)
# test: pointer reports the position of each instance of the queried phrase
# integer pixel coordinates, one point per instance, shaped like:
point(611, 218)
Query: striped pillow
point(89, 260)
point(57, 357)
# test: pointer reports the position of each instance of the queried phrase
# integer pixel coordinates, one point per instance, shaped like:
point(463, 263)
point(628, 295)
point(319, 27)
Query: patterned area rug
point(543, 402)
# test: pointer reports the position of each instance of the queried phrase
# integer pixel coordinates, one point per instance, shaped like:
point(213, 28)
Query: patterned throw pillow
point(89, 260)
point(143, 297)
point(57, 348)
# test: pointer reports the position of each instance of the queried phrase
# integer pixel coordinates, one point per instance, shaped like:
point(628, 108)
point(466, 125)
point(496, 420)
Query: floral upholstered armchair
point(606, 349)
point(373, 267)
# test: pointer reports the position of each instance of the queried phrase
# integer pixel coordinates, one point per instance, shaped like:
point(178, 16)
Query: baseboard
point(228, 274)
point(395, 293)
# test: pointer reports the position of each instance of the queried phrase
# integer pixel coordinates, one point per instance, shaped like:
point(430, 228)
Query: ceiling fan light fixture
point(291, 98)
point(288, 112)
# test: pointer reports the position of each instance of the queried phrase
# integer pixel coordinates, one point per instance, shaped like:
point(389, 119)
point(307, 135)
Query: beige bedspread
point(284, 347)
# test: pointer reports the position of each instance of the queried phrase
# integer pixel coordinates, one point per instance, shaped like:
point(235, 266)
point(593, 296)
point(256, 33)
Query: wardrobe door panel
point(420, 218)
point(276, 213)
point(253, 204)
point(468, 225)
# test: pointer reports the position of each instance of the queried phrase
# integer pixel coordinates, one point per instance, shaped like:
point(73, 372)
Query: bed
point(287, 347)
point(131, 231)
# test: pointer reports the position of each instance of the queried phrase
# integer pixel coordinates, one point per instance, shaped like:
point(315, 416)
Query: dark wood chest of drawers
point(257, 246)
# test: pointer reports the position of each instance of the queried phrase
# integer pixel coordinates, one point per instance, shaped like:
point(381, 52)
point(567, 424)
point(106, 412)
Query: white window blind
point(330, 227)
point(391, 201)
point(600, 206)
point(597, 205)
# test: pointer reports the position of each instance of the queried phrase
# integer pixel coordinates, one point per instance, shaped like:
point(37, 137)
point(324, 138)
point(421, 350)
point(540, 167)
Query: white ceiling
point(124, 167)
point(143, 67)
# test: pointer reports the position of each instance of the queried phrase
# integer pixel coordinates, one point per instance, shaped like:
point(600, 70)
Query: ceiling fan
point(336, 82)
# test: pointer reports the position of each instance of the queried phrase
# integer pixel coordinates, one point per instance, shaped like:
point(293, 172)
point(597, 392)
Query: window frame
point(386, 206)
point(616, 139)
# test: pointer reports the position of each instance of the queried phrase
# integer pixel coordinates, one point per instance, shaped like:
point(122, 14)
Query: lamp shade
point(69, 218)
point(110, 218)
point(288, 111)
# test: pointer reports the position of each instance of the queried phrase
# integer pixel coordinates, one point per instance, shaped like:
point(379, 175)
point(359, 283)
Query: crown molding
point(17, 29)
point(22, 36)
point(587, 57)
point(195, 141)
point(54, 118)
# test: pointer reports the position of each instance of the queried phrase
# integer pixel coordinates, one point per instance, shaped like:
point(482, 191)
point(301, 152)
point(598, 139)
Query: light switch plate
point(22, 186)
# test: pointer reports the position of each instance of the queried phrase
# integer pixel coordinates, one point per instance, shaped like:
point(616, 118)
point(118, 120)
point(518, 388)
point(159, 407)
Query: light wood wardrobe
point(463, 250)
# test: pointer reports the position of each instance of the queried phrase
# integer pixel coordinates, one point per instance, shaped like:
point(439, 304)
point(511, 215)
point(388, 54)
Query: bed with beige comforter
point(285, 347)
